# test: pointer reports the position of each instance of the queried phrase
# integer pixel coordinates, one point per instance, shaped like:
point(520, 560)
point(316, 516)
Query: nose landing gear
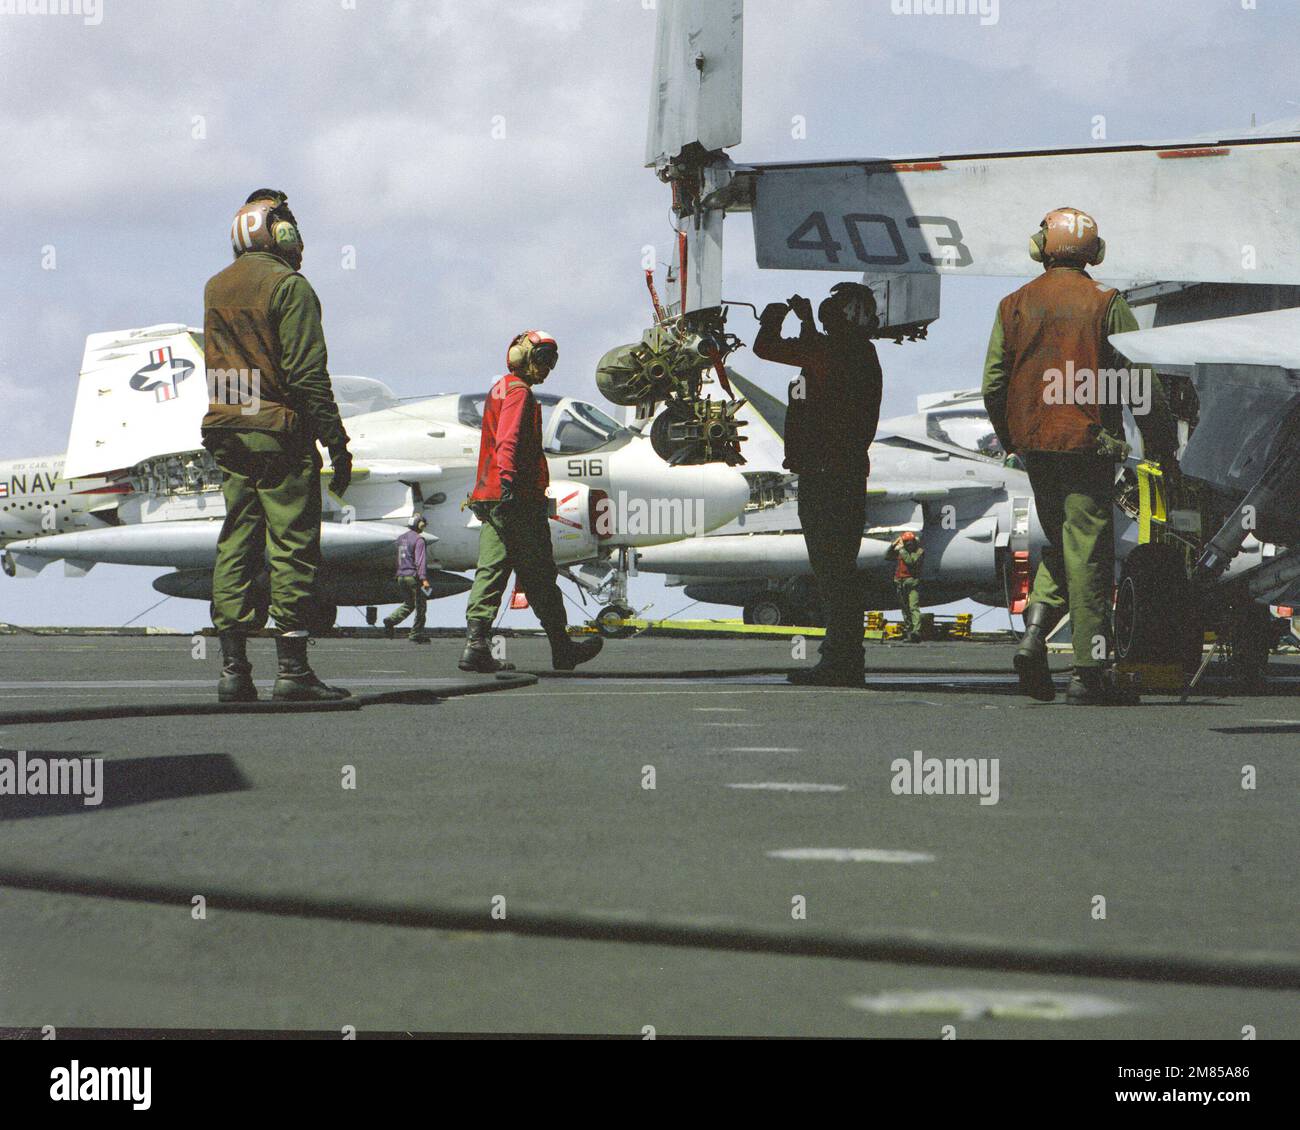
point(607, 582)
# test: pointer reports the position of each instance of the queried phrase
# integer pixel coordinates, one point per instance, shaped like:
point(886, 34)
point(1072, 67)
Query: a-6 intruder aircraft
point(136, 487)
point(938, 472)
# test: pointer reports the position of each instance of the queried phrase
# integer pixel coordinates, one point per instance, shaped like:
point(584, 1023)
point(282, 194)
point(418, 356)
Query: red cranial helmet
point(532, 351)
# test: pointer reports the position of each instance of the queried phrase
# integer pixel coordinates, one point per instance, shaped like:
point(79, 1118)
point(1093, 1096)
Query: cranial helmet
point(908, 535)
point(532, 352)
point(417, 522)
point(854, 302)
point(1067, 235)
point(265, 223)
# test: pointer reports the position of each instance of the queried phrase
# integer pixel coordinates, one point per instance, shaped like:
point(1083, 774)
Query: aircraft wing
point(696, 85)
point(926, 492)
point(973, 213)
point(373, 471)
point(1270, 338)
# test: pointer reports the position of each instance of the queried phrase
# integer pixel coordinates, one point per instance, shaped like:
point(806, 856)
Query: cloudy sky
point(129, 137)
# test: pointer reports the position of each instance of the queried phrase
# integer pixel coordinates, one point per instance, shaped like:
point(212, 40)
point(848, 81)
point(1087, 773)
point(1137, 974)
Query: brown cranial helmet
point(1067, 236)
point(265, 223)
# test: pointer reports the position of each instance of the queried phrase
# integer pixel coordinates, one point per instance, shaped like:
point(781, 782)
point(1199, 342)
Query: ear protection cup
point(519, 355)
point(285, 234)
point(1067, 235)
point(265, 223)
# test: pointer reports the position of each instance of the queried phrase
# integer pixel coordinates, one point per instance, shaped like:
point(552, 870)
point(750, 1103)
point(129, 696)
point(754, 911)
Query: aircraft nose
point(725, 492)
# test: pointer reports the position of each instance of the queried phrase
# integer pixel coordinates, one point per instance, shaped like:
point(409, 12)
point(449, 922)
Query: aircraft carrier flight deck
point(672, 839)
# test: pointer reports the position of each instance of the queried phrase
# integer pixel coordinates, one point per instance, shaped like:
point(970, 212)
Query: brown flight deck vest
point(1058, 318)
point(239, 333)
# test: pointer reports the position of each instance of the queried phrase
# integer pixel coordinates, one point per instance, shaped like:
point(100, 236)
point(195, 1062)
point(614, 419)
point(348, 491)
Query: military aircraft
point(938, 472)
point(35, 499)
point(1198, 230)
point(136, 487)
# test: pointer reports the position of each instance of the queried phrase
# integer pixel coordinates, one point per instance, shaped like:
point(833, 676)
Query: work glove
point(341, 463)
point(802, 307)
point(1111, 446)
point(774, 312)
point(507, 492)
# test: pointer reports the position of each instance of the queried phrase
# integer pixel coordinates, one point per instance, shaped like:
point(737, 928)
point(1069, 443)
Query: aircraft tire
point(767, 612)
point(609, 622)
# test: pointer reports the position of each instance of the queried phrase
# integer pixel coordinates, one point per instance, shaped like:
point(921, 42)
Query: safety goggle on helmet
point(532, 347)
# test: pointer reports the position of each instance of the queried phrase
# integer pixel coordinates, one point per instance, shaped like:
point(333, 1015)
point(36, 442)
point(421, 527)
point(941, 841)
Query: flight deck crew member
point(412, 579)
point(834, 407)
point(509, 497)
point(908, 554)
point(1041, 388)
point(262, 334)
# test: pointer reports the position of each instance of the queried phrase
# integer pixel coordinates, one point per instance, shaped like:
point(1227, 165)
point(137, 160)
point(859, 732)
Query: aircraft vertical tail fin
point(141, 393)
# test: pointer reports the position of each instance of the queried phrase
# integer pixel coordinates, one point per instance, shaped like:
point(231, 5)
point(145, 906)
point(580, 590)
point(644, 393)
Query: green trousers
point(832, 513)
point(908, 590)
point(1073, 496)
point(271, 484)
point(414, 601)
point(516, 538)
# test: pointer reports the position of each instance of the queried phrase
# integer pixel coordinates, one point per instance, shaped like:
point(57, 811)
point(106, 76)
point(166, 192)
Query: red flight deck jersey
point(511, 443)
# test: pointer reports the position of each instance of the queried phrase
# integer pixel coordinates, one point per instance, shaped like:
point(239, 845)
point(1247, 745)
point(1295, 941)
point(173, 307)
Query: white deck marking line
point(758, 749)
point(852, 855)
point(789, 787)
point(989, 1004)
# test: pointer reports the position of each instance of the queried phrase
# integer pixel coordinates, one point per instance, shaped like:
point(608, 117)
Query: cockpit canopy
point(968, 428)
point(569, 426)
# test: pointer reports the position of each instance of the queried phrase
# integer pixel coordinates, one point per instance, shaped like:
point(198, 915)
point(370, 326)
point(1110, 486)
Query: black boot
point(1031, 656)
point(236, 682)
point(566, 653)
point(1098, 686)
point(477, 655)
point(296, 681)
